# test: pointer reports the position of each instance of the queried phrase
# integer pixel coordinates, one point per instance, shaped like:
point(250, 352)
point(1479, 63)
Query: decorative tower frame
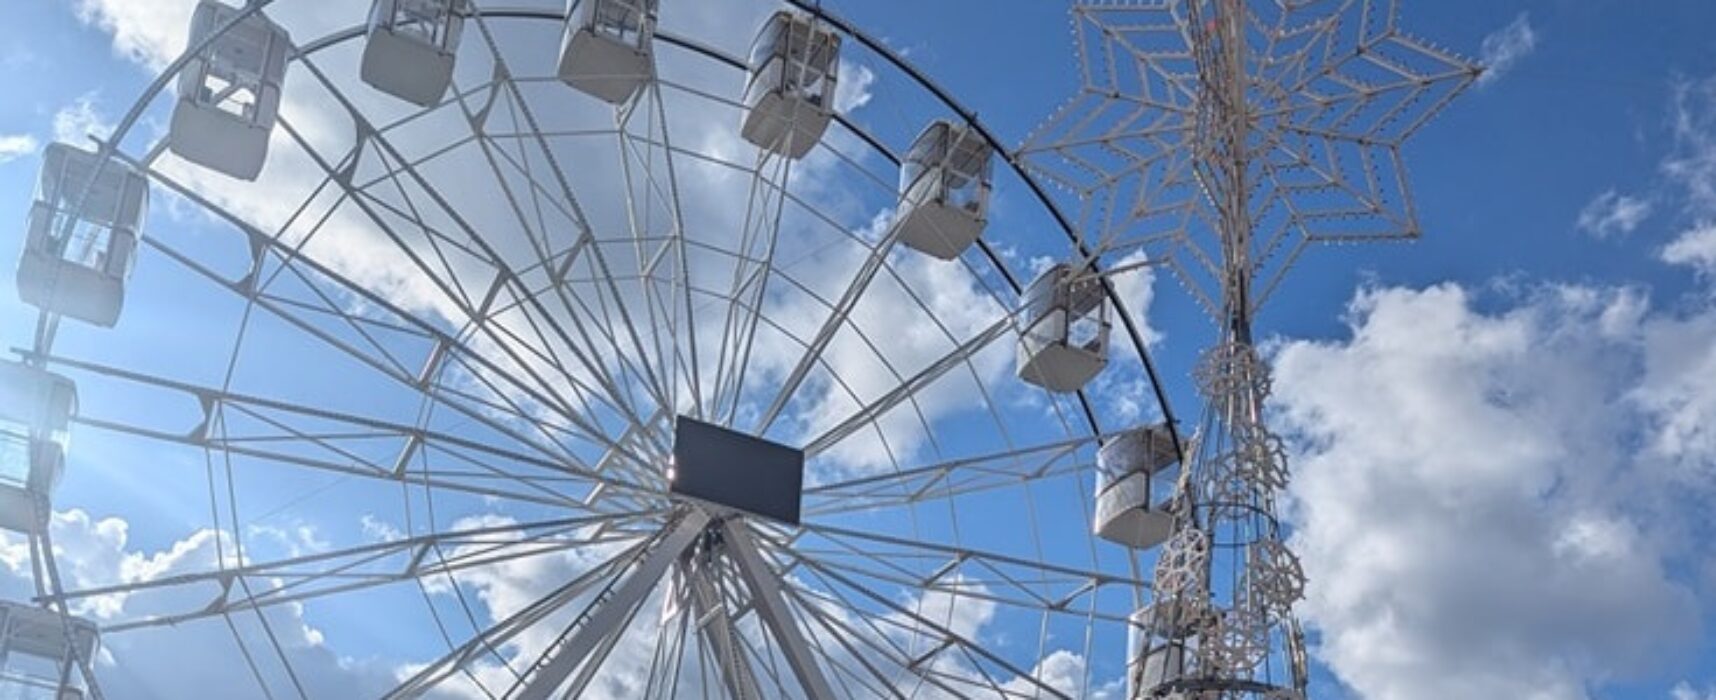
point(1225, 137)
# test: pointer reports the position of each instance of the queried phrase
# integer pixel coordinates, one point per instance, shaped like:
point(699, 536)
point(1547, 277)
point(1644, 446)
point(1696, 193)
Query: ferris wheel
point(750, 358)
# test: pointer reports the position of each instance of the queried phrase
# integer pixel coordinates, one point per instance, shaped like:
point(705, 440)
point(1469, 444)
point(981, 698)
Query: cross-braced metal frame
point(527, 348)
point(1226, 136)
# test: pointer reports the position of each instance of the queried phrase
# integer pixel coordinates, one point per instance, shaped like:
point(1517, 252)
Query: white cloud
point(506, 587)
point(907, 341)
point(1065, 671)
point(1685, 691)
point(1136, 287)
point(853, 90)
point(296, 540)
point(379, 530)
point(1677, 393)
point(15, 146)
point(1692, 166)
point(1471, 506)
point(148, 663)
point(75, 123)
point(1505, 48)
point(1695, 248)
point(149, 33)
point(1613, 214)
point(1040, 264)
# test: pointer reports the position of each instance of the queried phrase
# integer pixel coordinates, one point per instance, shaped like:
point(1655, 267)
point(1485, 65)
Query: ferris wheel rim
point(144, 100)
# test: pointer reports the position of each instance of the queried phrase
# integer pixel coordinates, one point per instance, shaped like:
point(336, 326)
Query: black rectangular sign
point(729, 468)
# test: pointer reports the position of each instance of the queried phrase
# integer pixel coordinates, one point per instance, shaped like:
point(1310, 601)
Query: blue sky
point(1502, 432)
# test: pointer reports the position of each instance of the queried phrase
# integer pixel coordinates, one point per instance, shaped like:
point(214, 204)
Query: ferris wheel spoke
point(685, 326)
point(867, 414)
point(444, 344)
point(663, 308)
point(907, 389)
point(611, 606)
point(764, 584)
point(448, 281)
point(656, 370)
point(347, 444)
point(523, 109)
point(665, 663)
point(945, 480)
point(871, 344)
point(555, 268)
point(635, 365)
point(838, 317)
point(488, 642)
point(505, 277)
point(257, 586)
point(839, 312)
point(836, 380)
point(760, 232)
point(623, 465)
point(366, 328)
point(966, 572)
point(848, 640)
point(319, 302)
point(947, 638)
point(502, 400)
point(641, 442)
point(881, 635)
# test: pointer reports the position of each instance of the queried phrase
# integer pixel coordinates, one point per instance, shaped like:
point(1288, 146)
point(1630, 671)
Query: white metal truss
point(1226, 136)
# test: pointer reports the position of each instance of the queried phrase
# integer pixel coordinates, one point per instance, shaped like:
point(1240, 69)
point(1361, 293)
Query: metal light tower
point(1224, 136)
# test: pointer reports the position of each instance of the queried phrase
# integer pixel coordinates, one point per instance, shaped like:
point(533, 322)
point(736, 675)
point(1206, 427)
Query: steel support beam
point(718, 630)
point(612, 607)
point(772, 606)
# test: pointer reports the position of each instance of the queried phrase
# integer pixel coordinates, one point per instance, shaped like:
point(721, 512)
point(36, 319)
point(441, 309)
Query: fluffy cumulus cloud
point(1612, 214)
point(147, 663)
point(1694, 248)
point(853, 91)
point(1065, 672)
point(1499, 494)
point(1497, 503)
point(1502, 51)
